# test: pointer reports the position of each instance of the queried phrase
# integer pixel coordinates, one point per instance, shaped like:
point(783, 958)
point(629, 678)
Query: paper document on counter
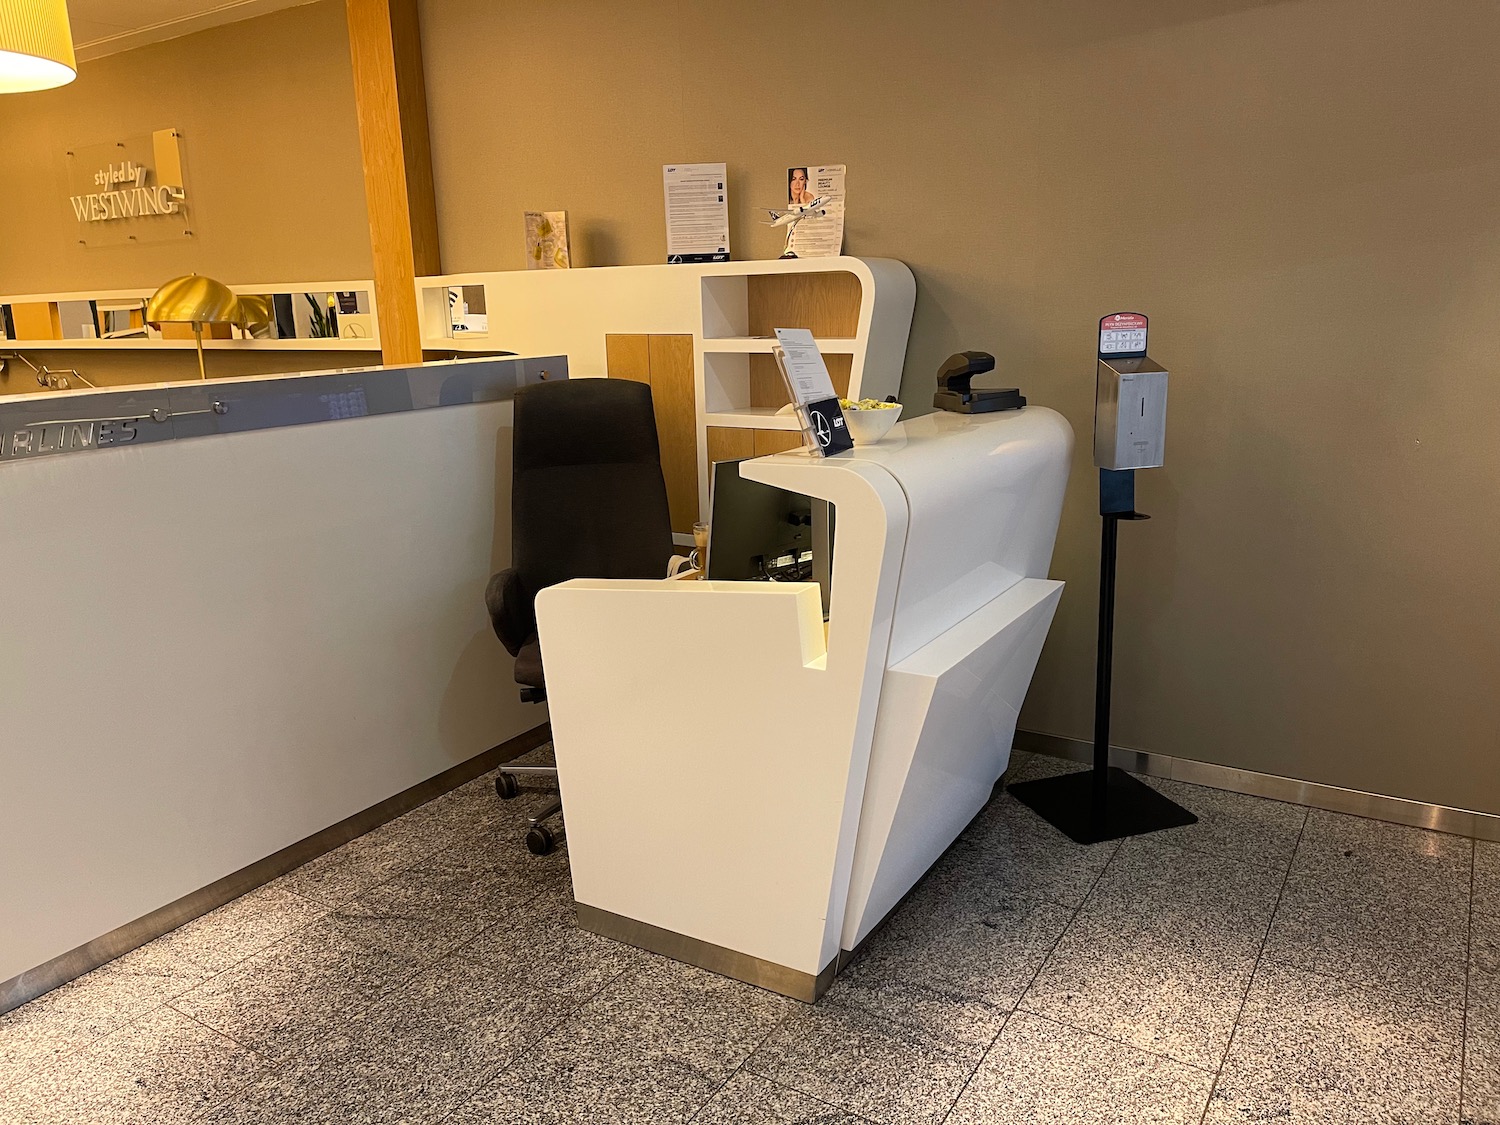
point(697, 212)
point(805, 369)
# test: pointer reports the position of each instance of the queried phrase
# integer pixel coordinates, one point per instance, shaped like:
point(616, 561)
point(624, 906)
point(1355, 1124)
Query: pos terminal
point(1130, 420)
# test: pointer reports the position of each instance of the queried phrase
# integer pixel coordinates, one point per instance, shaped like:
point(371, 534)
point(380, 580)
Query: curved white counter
point(748, 793)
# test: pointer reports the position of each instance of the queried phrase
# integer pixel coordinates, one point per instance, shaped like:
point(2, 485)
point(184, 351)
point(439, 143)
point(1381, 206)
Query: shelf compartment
point(753, 418)
point(829, 345)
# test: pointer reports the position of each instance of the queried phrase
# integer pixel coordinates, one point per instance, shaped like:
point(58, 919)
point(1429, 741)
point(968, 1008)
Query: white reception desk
point(238, 613)
point(751, 793)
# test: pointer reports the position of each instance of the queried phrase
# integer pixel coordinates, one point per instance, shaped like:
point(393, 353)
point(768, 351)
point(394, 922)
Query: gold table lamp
point(193, 300)
point(254, 313)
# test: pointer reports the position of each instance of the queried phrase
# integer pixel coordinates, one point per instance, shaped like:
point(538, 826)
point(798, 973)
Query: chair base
point(540, 839)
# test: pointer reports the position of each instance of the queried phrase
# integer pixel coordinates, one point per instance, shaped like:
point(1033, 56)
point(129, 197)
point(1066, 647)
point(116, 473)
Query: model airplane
point(790, 216)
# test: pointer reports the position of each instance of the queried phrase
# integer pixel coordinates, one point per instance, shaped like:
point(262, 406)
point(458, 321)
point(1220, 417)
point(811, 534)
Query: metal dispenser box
point(1130, 413)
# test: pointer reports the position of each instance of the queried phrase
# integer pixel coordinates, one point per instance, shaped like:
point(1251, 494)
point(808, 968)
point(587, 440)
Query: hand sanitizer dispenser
point(1130, 425)
point(1130, 397)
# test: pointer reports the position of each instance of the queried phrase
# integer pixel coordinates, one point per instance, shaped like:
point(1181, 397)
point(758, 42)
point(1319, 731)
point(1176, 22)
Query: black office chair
point(588, 500)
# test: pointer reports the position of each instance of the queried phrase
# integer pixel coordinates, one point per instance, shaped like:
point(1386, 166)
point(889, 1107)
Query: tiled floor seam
point(58, 1060)
point(275, 1064)
point(254, 1076)
point(166, 1002)
point(1234, 1027)
point(1021, 995)
point(741, 1066)
point(1220, 857)
point(278, 1063)
point(1364, 982)
point(560, 1025)
point(775, 1082)
point(1112, 1039)
point(216, 1031)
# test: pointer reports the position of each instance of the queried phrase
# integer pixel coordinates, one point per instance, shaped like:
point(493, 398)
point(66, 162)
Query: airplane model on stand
point(790, 216)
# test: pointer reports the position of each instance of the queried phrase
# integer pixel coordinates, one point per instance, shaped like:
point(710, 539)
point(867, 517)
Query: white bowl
point(867, 427)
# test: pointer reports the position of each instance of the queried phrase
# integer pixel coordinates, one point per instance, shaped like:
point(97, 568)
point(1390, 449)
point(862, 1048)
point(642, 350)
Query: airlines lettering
point(66, 437)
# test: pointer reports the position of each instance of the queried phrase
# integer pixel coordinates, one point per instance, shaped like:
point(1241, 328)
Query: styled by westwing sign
point(128, 187)
point(126, 195)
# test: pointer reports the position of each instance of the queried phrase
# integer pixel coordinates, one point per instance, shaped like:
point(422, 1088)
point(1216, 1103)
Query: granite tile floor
point(1268, 964)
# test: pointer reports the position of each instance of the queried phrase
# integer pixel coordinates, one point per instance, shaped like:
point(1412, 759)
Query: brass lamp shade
point(253, 312)
point(36, 46)
point(192, 300)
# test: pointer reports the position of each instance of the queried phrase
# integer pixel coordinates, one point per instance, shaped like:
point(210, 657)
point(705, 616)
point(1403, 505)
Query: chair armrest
point(677, 564)
point(510, 609)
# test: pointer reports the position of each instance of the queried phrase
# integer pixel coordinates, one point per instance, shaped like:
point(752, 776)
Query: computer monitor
point(761, 533)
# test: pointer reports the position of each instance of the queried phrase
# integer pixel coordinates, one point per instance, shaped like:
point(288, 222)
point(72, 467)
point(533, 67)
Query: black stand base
point(1070, 803)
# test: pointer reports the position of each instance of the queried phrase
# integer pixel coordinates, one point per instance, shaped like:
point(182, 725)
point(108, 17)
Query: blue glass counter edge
point(87, 421)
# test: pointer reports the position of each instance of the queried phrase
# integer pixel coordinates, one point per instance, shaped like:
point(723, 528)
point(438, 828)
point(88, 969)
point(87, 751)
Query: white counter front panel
point(215, 647)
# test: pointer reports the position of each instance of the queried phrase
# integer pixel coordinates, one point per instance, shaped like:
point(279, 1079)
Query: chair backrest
point(588, 496)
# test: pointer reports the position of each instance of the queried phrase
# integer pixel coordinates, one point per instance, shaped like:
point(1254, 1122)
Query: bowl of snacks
point(869, 419)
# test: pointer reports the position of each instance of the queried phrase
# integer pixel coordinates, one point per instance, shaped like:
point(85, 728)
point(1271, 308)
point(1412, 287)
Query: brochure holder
point(825, 431)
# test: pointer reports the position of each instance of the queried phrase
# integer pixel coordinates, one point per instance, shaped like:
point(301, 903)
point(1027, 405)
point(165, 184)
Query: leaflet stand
point(1106, 803)
point(824, 429)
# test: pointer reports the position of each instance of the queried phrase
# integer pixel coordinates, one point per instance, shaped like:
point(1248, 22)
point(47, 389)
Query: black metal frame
point(1104, 803)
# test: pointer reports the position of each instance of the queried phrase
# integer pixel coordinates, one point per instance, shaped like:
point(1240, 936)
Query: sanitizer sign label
point(1122, 334)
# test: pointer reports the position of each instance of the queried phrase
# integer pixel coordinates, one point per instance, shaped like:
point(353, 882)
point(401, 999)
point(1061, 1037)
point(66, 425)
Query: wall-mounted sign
point(133, 190)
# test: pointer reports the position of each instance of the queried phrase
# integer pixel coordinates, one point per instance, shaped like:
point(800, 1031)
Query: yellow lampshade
point(191, 300)
point(254, 312)
point(36, 46)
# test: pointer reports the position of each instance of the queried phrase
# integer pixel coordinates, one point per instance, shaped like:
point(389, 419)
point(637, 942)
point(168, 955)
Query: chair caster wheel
point(505, 786)
point(540, 840)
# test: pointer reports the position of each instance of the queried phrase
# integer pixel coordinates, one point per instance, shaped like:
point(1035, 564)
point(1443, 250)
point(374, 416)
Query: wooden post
point(391, 101)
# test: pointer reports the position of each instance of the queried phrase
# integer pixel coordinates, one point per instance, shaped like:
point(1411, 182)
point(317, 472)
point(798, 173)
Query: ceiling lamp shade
point(36, 46)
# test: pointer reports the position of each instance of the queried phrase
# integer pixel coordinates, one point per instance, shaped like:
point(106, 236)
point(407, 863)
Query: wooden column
point(391, 101)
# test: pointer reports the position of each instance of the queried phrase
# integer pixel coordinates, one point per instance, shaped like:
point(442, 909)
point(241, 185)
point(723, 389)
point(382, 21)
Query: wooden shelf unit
point(859, 310)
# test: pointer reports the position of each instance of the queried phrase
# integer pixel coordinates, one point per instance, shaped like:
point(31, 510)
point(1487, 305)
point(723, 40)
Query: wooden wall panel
point(628, 357)
point(727, 443)
point(671, 364)
point(665, 364)
point(37, 320)
point(767, 442)
point(768, 388)
point(826, 303)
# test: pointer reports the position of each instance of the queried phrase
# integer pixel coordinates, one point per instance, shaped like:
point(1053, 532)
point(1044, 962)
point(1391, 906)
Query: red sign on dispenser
point(1122, 335)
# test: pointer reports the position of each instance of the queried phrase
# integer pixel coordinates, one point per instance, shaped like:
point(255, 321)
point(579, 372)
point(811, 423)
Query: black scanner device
point(955, 394)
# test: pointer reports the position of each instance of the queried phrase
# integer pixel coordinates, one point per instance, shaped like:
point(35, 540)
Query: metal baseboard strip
point(1333, 798)
point(715, 958)
point(118, 942)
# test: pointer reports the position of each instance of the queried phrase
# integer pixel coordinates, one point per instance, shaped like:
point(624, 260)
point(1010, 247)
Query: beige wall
point(266, 108)
point(1305, 196)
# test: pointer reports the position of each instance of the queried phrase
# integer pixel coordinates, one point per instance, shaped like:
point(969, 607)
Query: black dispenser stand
point(1104, 803)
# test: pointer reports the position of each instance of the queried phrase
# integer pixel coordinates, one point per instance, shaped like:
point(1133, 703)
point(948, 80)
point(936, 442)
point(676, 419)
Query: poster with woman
point(823, 185)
